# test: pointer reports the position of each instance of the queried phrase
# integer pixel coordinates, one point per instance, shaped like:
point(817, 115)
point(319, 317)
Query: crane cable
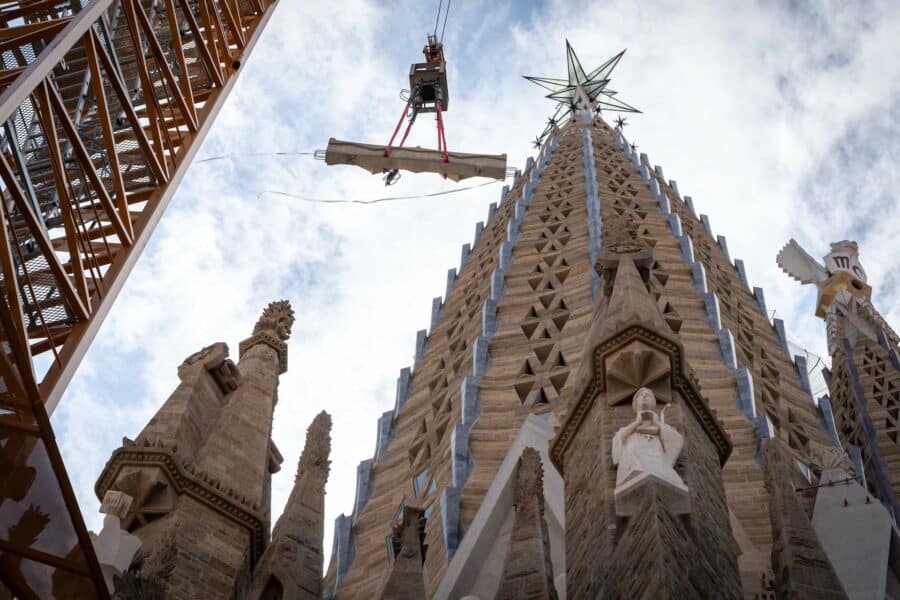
point(437, 19)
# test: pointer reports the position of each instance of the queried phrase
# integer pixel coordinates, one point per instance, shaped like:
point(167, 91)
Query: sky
point(780, 120)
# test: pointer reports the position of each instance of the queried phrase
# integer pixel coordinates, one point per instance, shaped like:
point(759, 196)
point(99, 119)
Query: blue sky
point(780, 120)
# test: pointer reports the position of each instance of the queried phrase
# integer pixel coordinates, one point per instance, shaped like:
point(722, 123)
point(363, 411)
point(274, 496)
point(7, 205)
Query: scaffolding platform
point(459, 165)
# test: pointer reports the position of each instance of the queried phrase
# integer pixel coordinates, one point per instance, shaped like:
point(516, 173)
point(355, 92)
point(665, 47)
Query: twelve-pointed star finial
point(593, 85)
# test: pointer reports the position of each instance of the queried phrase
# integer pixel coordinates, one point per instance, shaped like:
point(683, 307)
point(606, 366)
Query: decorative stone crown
point(273, 329)
point(277, 318)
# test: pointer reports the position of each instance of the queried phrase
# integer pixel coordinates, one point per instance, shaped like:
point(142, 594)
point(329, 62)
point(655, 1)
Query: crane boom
point(104, 103)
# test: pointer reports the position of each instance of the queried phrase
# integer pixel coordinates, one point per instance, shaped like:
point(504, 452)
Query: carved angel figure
point(645, 451)
point(841, 277)
point(796, 262)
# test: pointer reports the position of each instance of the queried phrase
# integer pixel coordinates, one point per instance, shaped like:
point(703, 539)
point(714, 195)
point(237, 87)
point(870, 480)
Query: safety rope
point(376, 200)
point(253, 154)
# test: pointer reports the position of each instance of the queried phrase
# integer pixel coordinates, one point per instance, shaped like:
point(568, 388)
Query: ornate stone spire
point(405, 580)
point(314, 464)
point(864, 382)
point(277, 319)
point(273, 329)
point(292, 563)
point(200, 471)
point(528, 571)
point(645, 517)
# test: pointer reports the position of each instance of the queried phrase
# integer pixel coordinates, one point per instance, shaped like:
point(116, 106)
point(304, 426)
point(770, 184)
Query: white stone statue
point(645, 451)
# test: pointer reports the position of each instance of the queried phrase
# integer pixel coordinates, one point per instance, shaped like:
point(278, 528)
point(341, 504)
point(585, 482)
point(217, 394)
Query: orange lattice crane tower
point(103, 104)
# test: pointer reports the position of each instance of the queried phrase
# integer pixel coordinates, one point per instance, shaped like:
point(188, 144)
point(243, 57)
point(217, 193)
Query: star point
point(580, 86)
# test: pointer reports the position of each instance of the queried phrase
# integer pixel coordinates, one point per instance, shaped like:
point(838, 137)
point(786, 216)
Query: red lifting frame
point(442, 137)
point(387, 149)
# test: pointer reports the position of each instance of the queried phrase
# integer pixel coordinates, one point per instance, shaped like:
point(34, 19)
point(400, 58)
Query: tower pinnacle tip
point(277, 318)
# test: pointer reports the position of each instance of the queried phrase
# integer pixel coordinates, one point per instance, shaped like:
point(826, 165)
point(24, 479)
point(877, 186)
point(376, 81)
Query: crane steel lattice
point(103, 105)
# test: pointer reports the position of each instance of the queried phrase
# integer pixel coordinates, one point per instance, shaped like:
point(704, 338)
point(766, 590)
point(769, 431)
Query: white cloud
point(746, 105)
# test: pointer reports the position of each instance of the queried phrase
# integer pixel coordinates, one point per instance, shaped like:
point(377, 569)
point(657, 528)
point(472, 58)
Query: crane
point(428, 93)
point(103, 104)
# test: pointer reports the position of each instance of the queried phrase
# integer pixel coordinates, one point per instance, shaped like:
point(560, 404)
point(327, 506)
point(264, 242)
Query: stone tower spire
point(200, 471)
point(671, 527)
point(292, 564)
point(528, 325)
point(404, 580)
point(527, 570)
point(865, 365)
point(238, 447)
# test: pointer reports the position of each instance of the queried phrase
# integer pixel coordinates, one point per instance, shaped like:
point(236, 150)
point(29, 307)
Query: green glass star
point(565, 92)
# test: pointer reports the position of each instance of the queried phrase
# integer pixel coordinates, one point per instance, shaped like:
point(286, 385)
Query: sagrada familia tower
point(600, 408)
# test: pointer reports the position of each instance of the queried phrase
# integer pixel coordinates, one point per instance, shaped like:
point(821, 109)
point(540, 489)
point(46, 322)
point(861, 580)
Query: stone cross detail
point(645, 451)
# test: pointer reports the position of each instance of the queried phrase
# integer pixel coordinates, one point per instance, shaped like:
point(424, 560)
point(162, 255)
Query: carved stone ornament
point(209, 357)
point(636, 366)
point(620, 239)
point(408, 535)
point(155, 476)
point(844, 256)
point(273, 329)
point(314, 460)
point(277, 318)
point(645, 451)
point(841, 272)
point(116, 503)
point(596, 383)
point(828, 457)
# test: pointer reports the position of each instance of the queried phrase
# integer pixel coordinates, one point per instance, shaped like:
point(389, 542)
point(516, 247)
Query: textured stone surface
point(528, 571)
point(404, 579)
point(697, 553)
point(802, 570)
point(200, 472)
point(292, 563)
point(544, 304)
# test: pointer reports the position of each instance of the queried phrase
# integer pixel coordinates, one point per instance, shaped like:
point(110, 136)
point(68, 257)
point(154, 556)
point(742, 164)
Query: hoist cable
point(437, 18)
point(444, 28)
